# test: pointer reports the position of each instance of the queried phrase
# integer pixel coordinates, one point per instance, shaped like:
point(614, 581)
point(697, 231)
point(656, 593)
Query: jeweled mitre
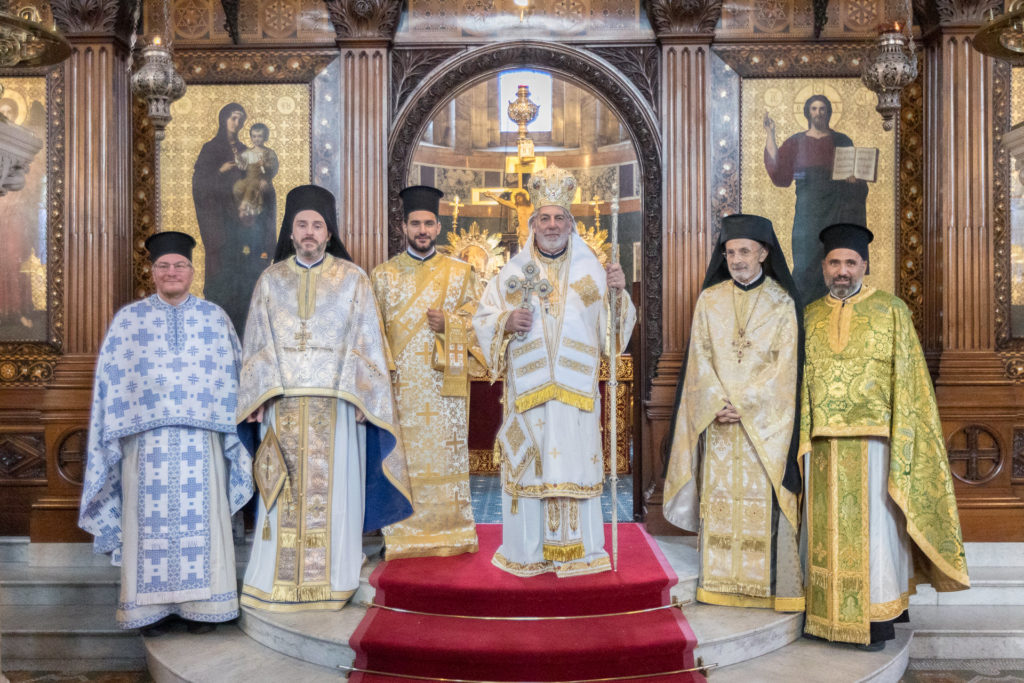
point(552, 186)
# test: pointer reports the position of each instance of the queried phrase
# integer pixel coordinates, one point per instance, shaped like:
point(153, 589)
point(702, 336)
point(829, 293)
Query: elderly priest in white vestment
point(543, 323)
point(316, 378)
point(165, 468)
point(733, 473)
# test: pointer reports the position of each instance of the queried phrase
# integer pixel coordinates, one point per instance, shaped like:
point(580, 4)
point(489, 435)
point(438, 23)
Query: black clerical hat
point(847, 236)
point(420, 198)
point(170, 242)
point(315, 198)
point(746, 226)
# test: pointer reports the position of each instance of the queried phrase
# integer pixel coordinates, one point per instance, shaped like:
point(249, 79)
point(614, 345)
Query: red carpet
point(594, 647)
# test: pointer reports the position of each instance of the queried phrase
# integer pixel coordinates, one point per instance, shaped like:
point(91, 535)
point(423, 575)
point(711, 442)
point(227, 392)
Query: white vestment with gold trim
point(550, 440)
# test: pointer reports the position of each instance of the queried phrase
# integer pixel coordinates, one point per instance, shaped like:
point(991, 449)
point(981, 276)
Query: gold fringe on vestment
point(564, 553)
point(553, 392)
point(284, 593)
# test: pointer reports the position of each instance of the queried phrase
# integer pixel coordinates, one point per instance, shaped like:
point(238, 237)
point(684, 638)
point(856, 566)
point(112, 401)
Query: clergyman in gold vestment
point(427, 301)
point(316, 376)
point(881, 514)
point(735, 429)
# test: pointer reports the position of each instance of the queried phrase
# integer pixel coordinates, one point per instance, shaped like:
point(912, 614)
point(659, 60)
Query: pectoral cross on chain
point(529, 284)
point(303, 336)
point(739, 345)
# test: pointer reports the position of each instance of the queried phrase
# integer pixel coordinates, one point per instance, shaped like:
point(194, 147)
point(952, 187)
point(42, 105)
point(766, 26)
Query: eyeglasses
point(177, 267)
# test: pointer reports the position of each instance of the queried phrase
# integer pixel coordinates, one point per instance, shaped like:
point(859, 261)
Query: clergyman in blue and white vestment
point(165, 467)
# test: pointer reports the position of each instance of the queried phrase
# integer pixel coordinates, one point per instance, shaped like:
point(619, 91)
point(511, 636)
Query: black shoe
point(871, 647)
point(157, 628)
point(200, 626)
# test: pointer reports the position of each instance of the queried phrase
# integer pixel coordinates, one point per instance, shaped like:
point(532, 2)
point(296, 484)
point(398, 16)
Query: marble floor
point(964, 671)
point(486, 492)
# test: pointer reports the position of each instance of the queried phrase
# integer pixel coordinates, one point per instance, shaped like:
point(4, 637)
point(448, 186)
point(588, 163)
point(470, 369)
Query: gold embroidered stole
point(838, 542)
point(305, 428)
point(433, 410)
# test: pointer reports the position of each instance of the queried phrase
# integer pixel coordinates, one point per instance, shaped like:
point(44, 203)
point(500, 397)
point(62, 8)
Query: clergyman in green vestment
point(880, 510)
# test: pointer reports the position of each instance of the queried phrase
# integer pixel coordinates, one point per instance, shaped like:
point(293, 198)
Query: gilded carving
point(911, 270)
point(95, 16)
point(794, 61)
point(624, 99)
point(364, 19)
point(33, 363)
point(672, 17)
point(222, 22)
point(1010, 348)
point(965, 12)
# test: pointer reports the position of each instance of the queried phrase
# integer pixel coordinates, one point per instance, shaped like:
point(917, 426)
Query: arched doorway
point(600, 78)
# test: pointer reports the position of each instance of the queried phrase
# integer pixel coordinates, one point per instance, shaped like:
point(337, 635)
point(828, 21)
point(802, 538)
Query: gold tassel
point(515, 504)
point(266, 528)
point(496, 454)
point(553, 392)
point(564, 553)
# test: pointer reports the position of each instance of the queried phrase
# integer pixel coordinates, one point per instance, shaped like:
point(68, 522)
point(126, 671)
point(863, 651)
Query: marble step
point(821, 662)
point(990, 585)
point(728, 635)
point(22, 584)
point(725, 635)
point(966, 632)
point(14, 548)
point(993, 555)
point(75, 638)
point(227, 656)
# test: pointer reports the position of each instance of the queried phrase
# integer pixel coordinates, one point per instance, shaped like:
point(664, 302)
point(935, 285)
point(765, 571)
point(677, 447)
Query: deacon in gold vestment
point(735, 429)
point(881, 514)
point(427, 300)
point(315, 374)
point(550, 440)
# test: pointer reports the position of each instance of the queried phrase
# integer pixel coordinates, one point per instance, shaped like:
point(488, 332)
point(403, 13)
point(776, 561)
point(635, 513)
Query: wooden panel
point(364, 111)
point(686, 236)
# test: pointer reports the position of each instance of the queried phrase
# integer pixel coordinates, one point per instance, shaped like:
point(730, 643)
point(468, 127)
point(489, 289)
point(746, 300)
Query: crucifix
point(303, 336)
point(739, 345)
point(529, 284)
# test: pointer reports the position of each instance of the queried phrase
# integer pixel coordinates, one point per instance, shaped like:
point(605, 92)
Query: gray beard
point(844, 291)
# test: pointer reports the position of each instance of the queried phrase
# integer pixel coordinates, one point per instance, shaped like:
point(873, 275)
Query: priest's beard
point(310, 254)
point(417, 246)
point(842, 286)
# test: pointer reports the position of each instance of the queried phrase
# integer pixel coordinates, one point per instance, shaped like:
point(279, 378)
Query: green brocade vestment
point(865, 376)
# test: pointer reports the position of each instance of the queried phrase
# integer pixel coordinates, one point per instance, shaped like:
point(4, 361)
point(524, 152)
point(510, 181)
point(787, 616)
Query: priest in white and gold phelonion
point(543, 323)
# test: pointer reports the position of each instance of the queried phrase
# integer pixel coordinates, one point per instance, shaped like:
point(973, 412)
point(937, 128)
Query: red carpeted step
point(648, 643)
point(469, 584)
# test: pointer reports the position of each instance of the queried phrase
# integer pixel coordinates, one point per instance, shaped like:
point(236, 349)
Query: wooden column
point(685, 33)
point(97, 254)
point(978, 403)
point(364, 30)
